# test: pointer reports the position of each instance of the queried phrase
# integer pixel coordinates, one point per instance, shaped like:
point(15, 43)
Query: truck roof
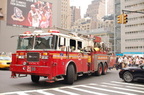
point(59, 34)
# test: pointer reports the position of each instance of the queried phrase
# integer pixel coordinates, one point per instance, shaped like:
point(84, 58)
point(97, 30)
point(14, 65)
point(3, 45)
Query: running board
point(22, 75)
point(59, 78)
point(80, 74)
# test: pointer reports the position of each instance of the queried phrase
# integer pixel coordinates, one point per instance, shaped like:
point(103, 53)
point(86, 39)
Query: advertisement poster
point(29, 13)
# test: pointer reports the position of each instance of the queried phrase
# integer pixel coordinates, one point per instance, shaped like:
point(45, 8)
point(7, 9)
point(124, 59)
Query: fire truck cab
point(58, 56)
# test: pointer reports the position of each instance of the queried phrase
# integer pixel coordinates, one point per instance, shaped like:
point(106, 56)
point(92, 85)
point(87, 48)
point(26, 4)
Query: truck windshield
point(37, 42)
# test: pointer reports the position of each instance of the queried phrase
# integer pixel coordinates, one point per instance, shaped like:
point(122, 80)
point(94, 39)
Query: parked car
point(5, 61)
point(131, 74)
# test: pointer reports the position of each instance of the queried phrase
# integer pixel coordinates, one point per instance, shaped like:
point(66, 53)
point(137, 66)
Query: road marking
point(18, 92)
point(127, 83)
point(22, 93)
point(112, 87)
point(108, 90)
point(84, 90)
point(140, 88)
point(67, 92)
point(126, 89)
point(44, 93)
point(135, 87)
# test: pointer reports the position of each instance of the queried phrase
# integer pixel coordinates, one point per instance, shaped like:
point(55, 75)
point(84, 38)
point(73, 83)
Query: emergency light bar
point(38, 31)
point(54, 31)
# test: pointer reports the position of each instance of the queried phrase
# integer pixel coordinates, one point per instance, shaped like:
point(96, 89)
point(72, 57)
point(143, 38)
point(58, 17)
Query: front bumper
point(121, 73)
point(31, 69)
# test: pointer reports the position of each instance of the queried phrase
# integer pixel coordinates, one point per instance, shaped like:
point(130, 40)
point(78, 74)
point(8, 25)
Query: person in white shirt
point(34, 16)
point(120, 60)
point(137, 61)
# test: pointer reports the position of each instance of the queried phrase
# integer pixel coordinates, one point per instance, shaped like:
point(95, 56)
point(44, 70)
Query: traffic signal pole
point(132, 11)
point(122, 18)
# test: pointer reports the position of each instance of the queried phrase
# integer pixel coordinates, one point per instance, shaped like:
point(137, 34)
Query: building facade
point(15, 18)
point(65, 13)
point(83, 24)
point(75, 14)
point(132, 33)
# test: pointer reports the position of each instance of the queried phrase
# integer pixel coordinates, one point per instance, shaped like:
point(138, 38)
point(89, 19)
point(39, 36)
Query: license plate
point(28, 68)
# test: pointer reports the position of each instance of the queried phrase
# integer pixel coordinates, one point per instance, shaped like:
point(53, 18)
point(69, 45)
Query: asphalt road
point(109, 84)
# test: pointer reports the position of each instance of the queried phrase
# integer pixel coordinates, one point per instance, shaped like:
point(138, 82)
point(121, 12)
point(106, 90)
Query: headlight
point(2, 62)
point(44, 57)
point(21, 56)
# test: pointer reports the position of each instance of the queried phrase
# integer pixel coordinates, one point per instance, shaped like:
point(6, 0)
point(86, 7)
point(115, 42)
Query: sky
point(82, 3)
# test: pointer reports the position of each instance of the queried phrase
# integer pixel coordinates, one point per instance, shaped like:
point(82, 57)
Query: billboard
point(29, 13)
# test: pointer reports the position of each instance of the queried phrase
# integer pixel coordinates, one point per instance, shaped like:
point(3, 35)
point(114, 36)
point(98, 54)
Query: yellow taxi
point(5, 61)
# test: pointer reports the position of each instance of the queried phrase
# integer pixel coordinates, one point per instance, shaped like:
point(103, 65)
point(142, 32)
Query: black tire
point(127, 76)
point(70, 77)
point(99, 72)
point(35, 78)
point(105, 68)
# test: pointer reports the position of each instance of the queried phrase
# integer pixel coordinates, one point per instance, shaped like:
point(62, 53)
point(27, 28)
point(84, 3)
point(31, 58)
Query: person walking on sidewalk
point(120, 61)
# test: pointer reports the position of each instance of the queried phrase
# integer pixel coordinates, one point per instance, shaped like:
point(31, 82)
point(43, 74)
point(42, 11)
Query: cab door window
point(72, 44)
point(79, 43)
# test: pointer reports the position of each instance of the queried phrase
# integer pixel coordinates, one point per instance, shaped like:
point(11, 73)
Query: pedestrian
point(141, 61)
point(137, 61)
point(126, 61)
point(117, 63)
point(130, 61)
point(120, 61)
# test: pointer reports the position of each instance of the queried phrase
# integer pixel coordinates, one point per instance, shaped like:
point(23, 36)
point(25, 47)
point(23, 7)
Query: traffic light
point(119, 19)
point(122, 19)
point(125, 19)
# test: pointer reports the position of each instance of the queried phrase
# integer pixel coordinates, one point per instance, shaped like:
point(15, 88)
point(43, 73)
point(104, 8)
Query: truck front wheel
point(70, 77)
point(35, 78)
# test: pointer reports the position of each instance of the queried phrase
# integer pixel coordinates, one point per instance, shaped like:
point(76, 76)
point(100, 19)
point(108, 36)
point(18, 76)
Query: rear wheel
point(35, 78)
point(127, 76)
point(105, 68)
point(100, 68)
point(70, 77)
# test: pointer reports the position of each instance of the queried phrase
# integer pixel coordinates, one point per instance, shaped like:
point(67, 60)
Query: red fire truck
point(58, 56)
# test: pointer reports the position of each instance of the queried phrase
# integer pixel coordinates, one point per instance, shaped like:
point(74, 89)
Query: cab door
point(62, 55)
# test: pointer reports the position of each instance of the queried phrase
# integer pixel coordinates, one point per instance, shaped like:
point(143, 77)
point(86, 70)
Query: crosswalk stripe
point(111, 84)
point(67, 92)
point(103, 89)
point(44, 93)
point(135, 87)
point(19, 93)
point(22, 93)
point(127, 83)
point(83, 90)
point(125, 89)
point(140, 88)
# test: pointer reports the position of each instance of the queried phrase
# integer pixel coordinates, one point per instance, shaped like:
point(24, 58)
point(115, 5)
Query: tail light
point(44, 55)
